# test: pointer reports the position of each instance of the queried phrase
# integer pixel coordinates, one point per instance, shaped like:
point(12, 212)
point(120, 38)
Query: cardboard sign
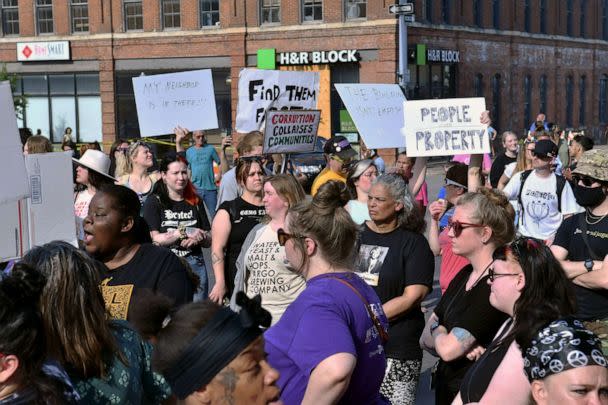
point(262, 90)
point(445, 127)
point(12, 167)
point(13, 230)
point(377, 110)
point(291, 131)
point(168, 100)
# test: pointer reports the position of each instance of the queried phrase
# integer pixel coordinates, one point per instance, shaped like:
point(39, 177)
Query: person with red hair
point(177, 218)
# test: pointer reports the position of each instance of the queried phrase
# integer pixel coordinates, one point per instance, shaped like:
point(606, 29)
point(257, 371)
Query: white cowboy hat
point(95, 160)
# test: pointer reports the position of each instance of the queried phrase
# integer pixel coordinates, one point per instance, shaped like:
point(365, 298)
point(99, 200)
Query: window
point(543, 93)
point(569, 101)
point(583, 18)
point(477, 13)
point(44, 16)
point(355, 9)
point(445, 11)
point(604, 99)
point(496, 14)
point(133, 14)
point(170, 13)
point(581, 95)
point(569, 9)
point(428, 10)
point(10, 17)
point(210, 13)
point(496, 99)
point(527, 15)
point(79, 10)
point(312, 10)
point(478, 85)
point(543, 16)
point(527, 99)
point(270, 11)
point(605, 20)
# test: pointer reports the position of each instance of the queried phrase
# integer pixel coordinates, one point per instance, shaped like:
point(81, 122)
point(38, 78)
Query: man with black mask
point(581, 243)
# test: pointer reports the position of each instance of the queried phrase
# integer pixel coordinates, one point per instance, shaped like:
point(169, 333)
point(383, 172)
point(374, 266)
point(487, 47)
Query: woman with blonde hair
point(261, 267)
point(139, 160)
point(523, 162)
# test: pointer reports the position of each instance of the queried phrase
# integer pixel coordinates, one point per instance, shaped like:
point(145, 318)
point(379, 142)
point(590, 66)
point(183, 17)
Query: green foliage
point(19, 101)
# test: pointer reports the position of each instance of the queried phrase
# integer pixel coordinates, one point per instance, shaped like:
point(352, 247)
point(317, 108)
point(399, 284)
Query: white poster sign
point(43, 50)
point(12, 167)
point(13, 230)
point(291, 131)
point(261, 90)
point(445, 127)
point(167, 100)
point(377, 111)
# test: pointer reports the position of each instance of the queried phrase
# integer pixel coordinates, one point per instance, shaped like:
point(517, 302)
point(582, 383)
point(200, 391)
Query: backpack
point(560, 184)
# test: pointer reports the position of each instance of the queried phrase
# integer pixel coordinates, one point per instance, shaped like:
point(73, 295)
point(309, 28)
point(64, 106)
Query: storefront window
point(432, 81)
point(340, 73)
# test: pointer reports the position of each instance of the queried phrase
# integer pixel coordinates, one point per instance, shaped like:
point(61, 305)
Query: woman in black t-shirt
point(395, 259)
point(231, 224)
point(528, 284)
point(464, 319)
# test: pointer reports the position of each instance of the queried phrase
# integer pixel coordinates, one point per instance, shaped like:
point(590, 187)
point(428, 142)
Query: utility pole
point(405, 12)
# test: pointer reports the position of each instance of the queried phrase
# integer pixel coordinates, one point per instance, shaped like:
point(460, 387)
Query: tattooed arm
point(329, 380)
point(453, 345)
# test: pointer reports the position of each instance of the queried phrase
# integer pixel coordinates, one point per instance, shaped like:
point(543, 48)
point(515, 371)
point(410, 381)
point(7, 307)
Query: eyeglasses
point(494, 275)
point(541, 156)
point(587, 181)
point(370, 174)
point(253, 158)
point(284, 236)
point(458, 226)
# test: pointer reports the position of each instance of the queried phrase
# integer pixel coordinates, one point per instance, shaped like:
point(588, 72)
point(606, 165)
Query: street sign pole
point(403, 79)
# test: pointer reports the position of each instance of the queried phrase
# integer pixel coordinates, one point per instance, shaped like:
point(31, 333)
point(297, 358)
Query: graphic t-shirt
point(201, 165)
point(540, 218)
point(153, 267)
point(389, 262)
point(81, 210)
point(179, 215)
point(268, 273)
point(329, 318)
point(243, 217)
point(592, 304)
point(498, 168)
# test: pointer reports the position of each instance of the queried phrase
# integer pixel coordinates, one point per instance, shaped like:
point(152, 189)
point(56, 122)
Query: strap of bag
point(383, 333)
point(582, 224)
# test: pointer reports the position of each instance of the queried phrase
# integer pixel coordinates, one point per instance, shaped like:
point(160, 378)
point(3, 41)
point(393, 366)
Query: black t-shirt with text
point(498, 168)
point(390, 262)
point(592, 304)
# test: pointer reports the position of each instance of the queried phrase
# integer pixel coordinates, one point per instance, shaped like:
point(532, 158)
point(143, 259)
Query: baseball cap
point(545, 147)
point(594, 164)
point(339, 145)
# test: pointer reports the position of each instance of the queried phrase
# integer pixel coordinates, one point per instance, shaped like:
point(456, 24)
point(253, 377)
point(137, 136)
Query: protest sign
point(12, 167)
point(167, 100)
point(291, 131)
point(262, 90)
point(377, 110)
point(13, 230)
point(445, 127)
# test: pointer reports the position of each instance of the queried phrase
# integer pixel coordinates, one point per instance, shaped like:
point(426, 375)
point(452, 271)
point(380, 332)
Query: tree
point(19, 101)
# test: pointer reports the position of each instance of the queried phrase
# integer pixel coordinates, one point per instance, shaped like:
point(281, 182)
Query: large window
point(543, 93)
point(527, 15)
point(210, 13)
point(170, 13)
point(355, 9)
point(527, 99)
point(478, 85)
point(569, 100)
point(79, 11)
point(445, 11)
point(604, 99)
point(55, 102)
point(44, 16)
point(605, 20)
point(477, 13)
point(133, 14)
point(583, 18)
point(496, 14)
point(270, 11)
point(569, 11)
point(428, 10)
point(10, 17)
point(543, 16)
point(582, 84)
point(496, 90)
point(312, 10)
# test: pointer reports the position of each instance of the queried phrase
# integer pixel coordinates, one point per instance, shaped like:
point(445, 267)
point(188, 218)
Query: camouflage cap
point(594, 164)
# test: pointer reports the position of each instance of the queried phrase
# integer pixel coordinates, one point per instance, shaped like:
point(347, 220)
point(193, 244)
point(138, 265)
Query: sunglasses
point(457, 226)
point(517, 247)
point(284, 236)
point(492, 275)
point(340, 160)
point(587, 181)
point(541, 156)
point(449, 182)
point(254, 158)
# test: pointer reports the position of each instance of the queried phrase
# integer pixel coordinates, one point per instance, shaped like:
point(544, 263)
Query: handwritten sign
point(377, 110)
point(167, 100)
point(445, 127)
point(291, 131)
point(262, 90)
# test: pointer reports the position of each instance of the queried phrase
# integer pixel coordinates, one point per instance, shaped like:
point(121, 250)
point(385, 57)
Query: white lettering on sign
point(318, 57)
point(442, 55)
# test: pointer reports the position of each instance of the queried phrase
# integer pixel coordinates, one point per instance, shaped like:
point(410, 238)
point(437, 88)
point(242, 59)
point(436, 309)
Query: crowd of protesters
point(316, 299)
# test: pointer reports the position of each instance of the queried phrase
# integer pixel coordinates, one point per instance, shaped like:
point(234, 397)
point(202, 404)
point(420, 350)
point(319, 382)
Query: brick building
point(524, 56)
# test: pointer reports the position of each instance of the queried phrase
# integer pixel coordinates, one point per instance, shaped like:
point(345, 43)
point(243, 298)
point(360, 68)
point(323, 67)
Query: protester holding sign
point(338, 154)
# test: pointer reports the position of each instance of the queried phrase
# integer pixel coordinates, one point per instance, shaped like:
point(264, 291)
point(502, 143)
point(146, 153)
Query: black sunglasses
point(587, 181)
point(541, 156)
point(284, 236)
point(457, 226)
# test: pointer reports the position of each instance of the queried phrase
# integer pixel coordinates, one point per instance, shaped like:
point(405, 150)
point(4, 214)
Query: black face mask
point(589, 196)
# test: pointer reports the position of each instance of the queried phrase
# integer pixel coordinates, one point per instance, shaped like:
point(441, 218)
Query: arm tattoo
point(216, 259)
point(228, 378)
point(463, 336)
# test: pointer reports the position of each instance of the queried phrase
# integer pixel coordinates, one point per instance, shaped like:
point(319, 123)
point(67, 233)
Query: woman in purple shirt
point(328, 346)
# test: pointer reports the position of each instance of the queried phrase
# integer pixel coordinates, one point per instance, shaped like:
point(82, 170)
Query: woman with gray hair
point(359, 181)
point(396, 260)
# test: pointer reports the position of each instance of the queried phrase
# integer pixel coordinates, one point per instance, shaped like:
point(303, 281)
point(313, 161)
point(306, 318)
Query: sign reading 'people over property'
point(167, 100)
point(445, 127)
point(291, 131)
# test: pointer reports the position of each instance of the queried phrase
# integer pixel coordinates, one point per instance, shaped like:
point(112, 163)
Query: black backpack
point(560, 184)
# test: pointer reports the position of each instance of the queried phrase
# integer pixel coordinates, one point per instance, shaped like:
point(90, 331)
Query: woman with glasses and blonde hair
point(359, 181)
point(232, 222)
point(328, 346)
point(528, 284)
point(139, 160)
point(464, 319)
point(261, 266)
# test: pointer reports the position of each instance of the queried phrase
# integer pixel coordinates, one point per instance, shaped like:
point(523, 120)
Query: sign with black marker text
point(291, 131)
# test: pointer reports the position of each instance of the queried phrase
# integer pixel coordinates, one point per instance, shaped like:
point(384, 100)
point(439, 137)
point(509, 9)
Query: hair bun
point(331, 196)
point(23, 286)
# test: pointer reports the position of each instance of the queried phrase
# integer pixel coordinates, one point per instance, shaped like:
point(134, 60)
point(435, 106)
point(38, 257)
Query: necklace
point(480, 276)
point(594, 219)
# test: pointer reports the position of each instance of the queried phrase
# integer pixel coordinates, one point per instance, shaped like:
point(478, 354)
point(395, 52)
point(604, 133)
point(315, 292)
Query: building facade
point(76, 58)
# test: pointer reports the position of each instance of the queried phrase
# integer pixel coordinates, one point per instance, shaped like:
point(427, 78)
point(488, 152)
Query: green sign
point(267, 59)
point(420, 54)
point(346, 122)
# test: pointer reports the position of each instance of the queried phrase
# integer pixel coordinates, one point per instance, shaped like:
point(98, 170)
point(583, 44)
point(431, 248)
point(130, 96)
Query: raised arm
point(226, 142)
point(180, 135)
point(418, 175)
point(474, 173)
point(436, 210)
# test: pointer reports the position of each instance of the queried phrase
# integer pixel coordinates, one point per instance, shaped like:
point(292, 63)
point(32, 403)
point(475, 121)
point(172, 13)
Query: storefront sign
point(346, 122)
point(443, 56)
point(445, 127)
point(167, 100)
point(291, 131)
point(377, 110)
point(40, 51)
point(262, 90)
point(318, 57)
